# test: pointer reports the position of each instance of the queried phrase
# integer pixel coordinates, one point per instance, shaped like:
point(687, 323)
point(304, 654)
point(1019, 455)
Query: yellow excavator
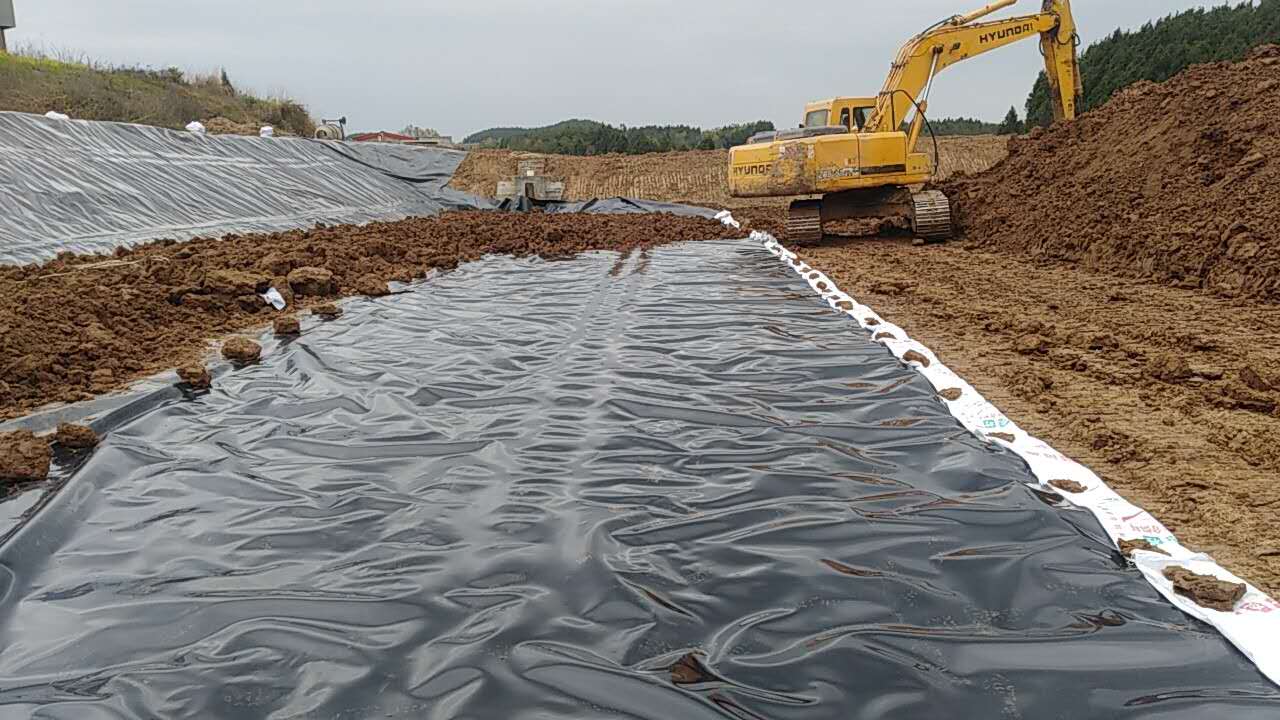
point(859, 153)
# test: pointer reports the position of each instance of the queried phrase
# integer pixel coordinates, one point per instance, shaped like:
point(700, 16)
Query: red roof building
point(383, 136)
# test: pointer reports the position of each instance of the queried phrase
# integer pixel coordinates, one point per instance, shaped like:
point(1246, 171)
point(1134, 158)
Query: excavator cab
point(850, 113)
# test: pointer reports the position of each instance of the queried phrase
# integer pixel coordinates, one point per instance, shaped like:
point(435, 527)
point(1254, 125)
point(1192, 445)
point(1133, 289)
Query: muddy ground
point(697, 177)
point(1169, 394)
point(84, 325)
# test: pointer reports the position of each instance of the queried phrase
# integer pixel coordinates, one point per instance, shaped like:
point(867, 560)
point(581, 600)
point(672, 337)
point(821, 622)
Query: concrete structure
point(7, 22)
point(531, 181)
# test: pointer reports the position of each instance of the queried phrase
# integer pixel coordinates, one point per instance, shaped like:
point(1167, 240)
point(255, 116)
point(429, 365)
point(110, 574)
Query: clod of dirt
point(692, 670)
point(1031, 345)
point(1168, 367)
point(197, 376)
point(1206, 590)
point(1007, 437)
point(885, 336)
point(23, 457)
point(241, 350)
point(1209, 373)
point(328, 311)
point(285, 326)
point(76, 437)
point(952, 394)
point(1105, 341)
point(871, 322)
point(912, 356)
point(235, 283)
point(1127, 547)
point(311, 281)
point(370, 286)
point(1070, 486)
point(1236, 395)
point(1254, 381)
point(844, 305)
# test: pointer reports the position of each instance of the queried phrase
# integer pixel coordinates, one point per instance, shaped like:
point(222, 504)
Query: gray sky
point(462, 66)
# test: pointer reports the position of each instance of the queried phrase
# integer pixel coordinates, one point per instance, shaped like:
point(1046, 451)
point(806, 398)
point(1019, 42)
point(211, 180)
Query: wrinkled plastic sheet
point(81, 186)
point(92, 186)
point(673, 485)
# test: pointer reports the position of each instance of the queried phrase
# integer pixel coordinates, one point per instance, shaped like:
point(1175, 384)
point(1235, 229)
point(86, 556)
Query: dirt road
point(1169, 394)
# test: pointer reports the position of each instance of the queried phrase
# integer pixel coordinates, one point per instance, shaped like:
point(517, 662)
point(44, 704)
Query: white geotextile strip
point(1254, 626)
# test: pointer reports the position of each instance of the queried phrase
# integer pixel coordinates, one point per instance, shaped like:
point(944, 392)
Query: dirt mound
point(698, 177)
point(81, 325)
point(222, 126)
point(1173, 181)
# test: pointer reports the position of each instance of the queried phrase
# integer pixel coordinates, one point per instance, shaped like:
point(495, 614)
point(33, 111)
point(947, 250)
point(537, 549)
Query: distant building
point(384, 136)
point(381, 136)
point(7, 21)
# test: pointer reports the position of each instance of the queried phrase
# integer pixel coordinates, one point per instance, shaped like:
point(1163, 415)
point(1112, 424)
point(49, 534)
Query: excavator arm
point(960, 38)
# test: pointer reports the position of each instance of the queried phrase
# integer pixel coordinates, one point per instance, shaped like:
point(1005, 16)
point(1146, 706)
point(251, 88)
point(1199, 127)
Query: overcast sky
point(461, 66)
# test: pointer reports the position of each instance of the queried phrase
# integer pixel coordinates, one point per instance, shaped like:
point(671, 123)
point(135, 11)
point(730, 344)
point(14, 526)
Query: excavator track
point(804, 221)
point(931, 219)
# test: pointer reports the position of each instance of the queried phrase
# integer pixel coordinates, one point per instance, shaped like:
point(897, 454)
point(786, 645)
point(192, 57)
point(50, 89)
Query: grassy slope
point(165, 98)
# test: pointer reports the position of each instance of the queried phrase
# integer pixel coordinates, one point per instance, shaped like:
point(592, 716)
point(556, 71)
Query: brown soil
point(222, 126)
point(328, 311)
point(197, 376)
point(1174, 181)
point(76, 437)
point(23, 457)
point(83, 325)
point(285, 326)
point(691, 669)
point(1070, 486)
point(241, 350)
point(1195, 445)
point(697, 177)
point(1206, 590)
point(1128, 547)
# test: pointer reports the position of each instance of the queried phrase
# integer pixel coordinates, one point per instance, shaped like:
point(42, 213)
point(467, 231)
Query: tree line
point(588, 137)
point(1159, 50)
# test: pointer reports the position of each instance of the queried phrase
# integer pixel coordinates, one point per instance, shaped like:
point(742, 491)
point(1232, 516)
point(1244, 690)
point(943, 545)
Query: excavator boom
point(962, 38)
point(855, 152)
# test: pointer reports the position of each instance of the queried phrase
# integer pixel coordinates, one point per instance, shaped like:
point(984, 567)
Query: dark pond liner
point(676, 487)
point(93, 186)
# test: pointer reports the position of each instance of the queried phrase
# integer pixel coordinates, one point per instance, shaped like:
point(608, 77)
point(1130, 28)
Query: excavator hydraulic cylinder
point(979, 14)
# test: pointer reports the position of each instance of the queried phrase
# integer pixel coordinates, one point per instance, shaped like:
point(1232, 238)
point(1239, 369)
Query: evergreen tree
point(585, 137)
point(1159, 50)
point(1011, 125)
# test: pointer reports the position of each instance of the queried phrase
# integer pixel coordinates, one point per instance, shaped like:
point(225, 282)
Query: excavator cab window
point(845, 119)
point(862, 115)
point(817, 118)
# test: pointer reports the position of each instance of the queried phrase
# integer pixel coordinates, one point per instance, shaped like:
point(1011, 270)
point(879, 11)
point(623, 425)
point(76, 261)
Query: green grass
point(34, 81)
